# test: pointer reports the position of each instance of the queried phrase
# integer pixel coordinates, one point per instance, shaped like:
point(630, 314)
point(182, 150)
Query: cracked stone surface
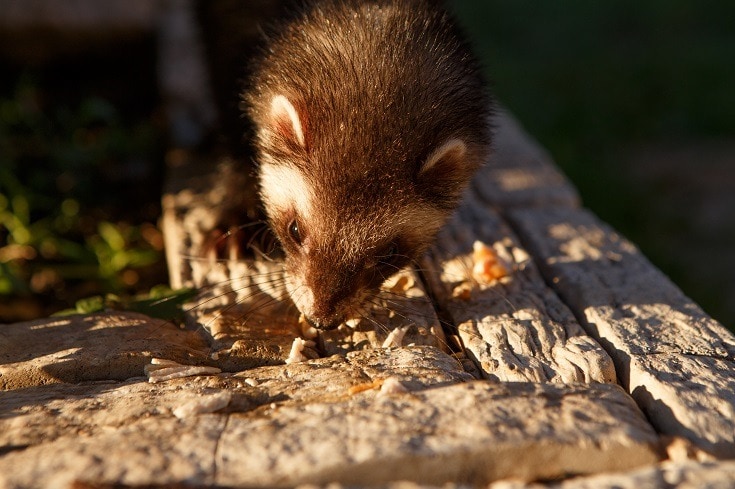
point(516, 329)
point(303, 423)
point(77, 348)
point(682, 475)
point(676, 361)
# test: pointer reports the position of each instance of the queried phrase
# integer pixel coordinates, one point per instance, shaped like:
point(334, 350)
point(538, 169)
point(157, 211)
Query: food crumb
point(353, 322)
point(487, 267)
point(399, 283)
point(306, 330)
point(462, 292)
point(301, 351)
point(366, 386)
point(395, 337)
point(391, 386)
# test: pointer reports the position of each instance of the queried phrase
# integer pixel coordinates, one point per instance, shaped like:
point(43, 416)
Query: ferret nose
point(327, 310)
point(322, 325)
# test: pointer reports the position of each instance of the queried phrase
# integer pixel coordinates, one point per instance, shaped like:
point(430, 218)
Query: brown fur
point(377, 86)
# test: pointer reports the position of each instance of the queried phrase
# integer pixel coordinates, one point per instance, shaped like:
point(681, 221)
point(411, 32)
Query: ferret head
point(362, 155)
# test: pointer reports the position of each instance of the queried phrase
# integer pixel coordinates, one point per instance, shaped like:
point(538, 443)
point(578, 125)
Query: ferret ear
point(446, 172)
point(286, 121)
point(447, 159)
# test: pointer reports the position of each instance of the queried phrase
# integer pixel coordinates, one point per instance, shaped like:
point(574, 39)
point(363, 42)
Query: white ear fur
point(453, 149)
point(284, 113)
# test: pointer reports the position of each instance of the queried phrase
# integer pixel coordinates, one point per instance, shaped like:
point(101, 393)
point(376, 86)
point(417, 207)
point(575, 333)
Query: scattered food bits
point(203, 405)
point(681, 450)
point(307, 331)
point(356, 389)
point(301, 351)
point(486, 267)
point(462, 292)
point(392, 386)
point(353, 323)
point(399, 283)
point(161, 370)
point(395, 337)
point(164, 362)
point(252, 382)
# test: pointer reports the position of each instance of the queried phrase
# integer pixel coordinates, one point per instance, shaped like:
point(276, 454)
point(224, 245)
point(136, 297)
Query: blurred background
point(634, 100)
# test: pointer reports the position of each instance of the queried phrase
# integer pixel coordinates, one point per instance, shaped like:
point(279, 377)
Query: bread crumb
point(306, 330)
point(301, 351)
point(399, 283)
point(353, 322)
point(395, 337)
point(487, 267)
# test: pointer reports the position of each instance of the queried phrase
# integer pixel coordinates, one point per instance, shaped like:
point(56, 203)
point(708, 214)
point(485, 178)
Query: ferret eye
point(389, 255)
point(293, 231)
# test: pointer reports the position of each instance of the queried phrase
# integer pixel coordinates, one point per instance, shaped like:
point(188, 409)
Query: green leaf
point(90, 305)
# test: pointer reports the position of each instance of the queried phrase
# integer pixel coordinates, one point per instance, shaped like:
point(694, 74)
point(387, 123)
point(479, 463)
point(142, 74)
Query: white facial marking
point(284, 188)
point(454, 148)
point(282, 110)
point(301, 295)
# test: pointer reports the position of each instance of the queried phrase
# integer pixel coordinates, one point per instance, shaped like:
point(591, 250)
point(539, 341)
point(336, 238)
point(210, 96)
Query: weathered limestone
point(684, 475)
point(312, 422)
point(428, 437)
point(95, 347)
point(677, 362)
point(515, 329)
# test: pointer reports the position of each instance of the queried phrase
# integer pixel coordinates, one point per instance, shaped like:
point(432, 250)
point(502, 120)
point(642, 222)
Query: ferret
point(368, 120)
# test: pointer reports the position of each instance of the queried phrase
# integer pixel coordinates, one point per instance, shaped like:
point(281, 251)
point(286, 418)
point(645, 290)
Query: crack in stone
point(217, 449)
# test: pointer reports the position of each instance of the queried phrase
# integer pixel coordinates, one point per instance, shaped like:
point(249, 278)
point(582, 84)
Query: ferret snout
point(323, 326)
point(329, 302)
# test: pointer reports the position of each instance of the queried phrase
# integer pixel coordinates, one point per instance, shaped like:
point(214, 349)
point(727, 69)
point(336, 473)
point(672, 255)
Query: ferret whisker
point(237, 290)
point(381, 327)
point(269, 277)
point(250, 308)
point(204, 298)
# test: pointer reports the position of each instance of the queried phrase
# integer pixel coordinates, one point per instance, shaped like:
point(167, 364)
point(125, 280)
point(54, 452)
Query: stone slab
point(516, 329)
point(667, 475)
point(319, 421)
point(428, 437)
point(677, 362)
point(102, 346)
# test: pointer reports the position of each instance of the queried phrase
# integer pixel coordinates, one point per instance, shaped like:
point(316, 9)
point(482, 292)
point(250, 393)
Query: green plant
point(65, 230)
